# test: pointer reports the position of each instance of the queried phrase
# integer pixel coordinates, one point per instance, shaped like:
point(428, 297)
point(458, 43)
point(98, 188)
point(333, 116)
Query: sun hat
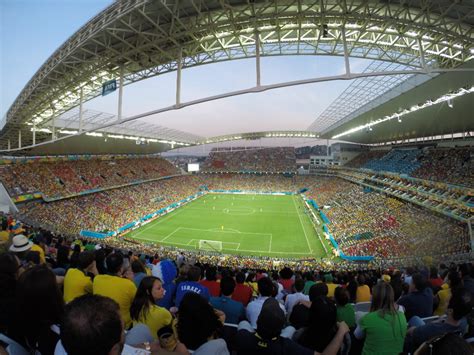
point(20, 243)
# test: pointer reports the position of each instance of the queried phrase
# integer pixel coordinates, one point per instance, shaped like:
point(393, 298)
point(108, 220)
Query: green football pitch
point(252, 225)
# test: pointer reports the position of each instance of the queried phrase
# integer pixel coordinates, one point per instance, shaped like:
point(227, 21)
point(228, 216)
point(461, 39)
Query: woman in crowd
point(345, 310)
point(9, 269)
point(384, 328)
point(322, 325)
point(199, 326)
point(444, 295)
point(144, 309)
point(38, 311)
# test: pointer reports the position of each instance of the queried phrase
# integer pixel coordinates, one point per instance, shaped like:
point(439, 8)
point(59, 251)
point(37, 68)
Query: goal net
point(211, 245)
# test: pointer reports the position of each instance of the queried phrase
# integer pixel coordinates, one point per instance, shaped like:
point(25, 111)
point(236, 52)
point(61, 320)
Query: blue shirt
point(418, 303)
point(190, 286)
point(234, 311)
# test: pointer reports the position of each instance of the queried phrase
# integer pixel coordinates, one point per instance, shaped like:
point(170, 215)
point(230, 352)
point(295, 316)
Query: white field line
point(304, 231)
point(270, 246)
point(160, 219)
point(224, 231)
point(169, 235)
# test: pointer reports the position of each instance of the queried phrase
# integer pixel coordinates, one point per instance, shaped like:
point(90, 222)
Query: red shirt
point(287, 284)
point(242, 293)
point(436, 282)
point(213, 286)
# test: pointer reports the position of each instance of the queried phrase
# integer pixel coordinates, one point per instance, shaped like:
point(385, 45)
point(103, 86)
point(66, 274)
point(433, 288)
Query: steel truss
point(136, 40)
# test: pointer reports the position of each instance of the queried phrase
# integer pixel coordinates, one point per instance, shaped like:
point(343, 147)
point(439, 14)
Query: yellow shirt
point(4, 235)
point(76, 284)
point(40, 250)
point(363, 294)
point(444, 296)
point(156, 318)
point(119, 289)
point(331, 288)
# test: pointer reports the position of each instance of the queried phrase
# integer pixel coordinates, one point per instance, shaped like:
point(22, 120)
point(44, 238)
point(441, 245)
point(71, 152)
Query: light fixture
point(398, 118)
point(449, 97)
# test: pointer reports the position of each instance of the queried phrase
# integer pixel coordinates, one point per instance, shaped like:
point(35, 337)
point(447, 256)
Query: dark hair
point(240, 278)
point(361, 280)
point(114, 262)
point(227, 286)
point(454, 280)
point(85, 259)
point(433, 272)
point(39, 304)
point(92, 325)
point(211, 274)
point(341, 295)
point(465, 270)
point(33, 257)
point(194, 273)
point(250, 277)
point(265, 287)
point(62, 256)
point(100, 261)
point(286, 273)
point(197, 321)
point(299, 285)
point(137, 266)
point(317, 290)
point(461, 303)
point(8, 272)
point(322, 324)
point(420, 281)
point(143, 298)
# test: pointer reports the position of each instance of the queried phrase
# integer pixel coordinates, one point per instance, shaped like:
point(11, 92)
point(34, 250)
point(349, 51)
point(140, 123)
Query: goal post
point(211, 245)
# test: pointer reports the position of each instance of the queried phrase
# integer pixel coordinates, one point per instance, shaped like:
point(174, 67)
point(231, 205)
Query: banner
point(109, 86)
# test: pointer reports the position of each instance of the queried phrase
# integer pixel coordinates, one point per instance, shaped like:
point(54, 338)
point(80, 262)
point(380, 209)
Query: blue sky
point(31, 30)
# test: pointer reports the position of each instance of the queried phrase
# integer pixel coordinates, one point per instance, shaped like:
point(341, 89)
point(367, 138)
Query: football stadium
point(237, 177)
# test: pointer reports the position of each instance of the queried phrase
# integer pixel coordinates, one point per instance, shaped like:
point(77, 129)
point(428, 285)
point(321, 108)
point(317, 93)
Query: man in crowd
point(460, 305)
point(77, 282)
point(118, 285)
point(265, 290)
point(419, 301)
point(234, 311)
point(294, 298)
point(242, 293)
point(191, 285)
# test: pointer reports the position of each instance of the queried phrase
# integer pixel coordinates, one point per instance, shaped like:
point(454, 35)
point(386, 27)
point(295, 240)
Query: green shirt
point(346, 314)
point(383, 335)
point(307, 286)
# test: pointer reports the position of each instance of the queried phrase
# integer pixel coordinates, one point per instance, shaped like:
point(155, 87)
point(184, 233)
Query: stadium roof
point(136, 40)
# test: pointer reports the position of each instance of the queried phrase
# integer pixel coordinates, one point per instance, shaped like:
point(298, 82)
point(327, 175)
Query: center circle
point(239, 211)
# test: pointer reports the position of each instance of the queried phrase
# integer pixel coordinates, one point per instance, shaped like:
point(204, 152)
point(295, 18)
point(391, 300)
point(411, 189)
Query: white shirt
point(255, 307)
point(293, 299)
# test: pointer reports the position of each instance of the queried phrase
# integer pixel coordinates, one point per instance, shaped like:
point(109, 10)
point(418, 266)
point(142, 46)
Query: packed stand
point(57, 179)
point(60, 296)
point(451, 165)
point(240, 159)
point(369, 223)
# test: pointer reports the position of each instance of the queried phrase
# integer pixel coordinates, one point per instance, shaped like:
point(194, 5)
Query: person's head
point(211, 274)
point(322, 324)
point(32, 257)
point(39, 303)
point(137, 266)
point(86, 260)
point(445, 344)
point(114, 263)
point(361, 280)
point(465, 270)
point(299, 285)
point(240, 278)
point(460, 304)
point(227, 286)
point(418, 282)
point(286, 273)
point(197, 321)
point(92, 325)
point(149, 291)
point(382, 299)
point(20, 245)
point(328, 278)
point(341, 296)
point(454, 280)
point(9, 272)
point(194, 273)
point(251, 277)
point(265, 287)
point(271, 320)
point(317, 290)
point(433, 272)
